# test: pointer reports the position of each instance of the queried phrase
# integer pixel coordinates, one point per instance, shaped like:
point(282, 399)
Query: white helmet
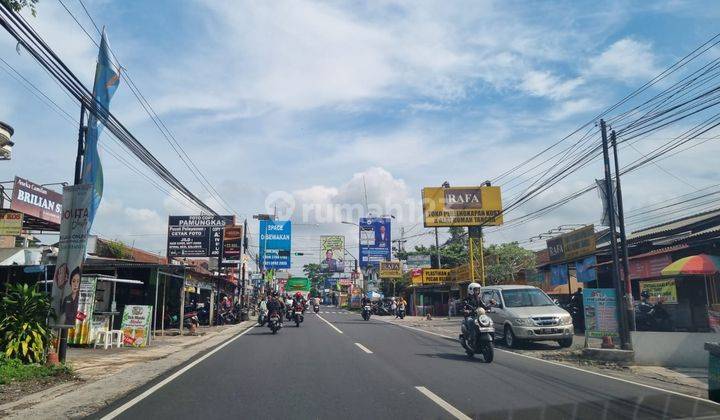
point(472, 286)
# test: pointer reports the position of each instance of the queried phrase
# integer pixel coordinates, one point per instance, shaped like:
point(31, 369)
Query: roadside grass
point(12, 370)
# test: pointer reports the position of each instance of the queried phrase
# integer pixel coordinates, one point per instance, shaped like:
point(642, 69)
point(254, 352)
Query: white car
point(526, 313)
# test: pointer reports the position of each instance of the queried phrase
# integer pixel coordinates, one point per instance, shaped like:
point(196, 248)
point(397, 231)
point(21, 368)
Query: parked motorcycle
point(366, 312)
point(478, 335)
point(401, 312)
point(274, 322)
point(649, 317)
point(203, 314)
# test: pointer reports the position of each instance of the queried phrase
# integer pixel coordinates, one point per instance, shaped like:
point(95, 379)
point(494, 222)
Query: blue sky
point(311, 98)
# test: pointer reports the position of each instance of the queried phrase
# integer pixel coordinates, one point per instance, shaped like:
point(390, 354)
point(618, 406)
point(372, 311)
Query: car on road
point(526, 313)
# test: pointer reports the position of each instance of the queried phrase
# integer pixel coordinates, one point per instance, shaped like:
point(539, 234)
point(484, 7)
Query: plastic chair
point(105, 336)
point(118, 335)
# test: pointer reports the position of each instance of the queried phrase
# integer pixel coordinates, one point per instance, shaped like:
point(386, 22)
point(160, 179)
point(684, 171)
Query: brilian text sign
point(196, 236)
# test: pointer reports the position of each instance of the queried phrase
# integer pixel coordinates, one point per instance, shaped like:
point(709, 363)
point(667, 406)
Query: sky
point(322, 104)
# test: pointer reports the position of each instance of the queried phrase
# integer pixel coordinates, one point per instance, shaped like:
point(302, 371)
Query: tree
point(17, 5)
point(453, 252)
point(505, 261)
point(314, 273)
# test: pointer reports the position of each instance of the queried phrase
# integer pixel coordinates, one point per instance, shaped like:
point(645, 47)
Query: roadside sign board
point(196, 236)
point(136, 325)
point(37, 201)
point(374, 238)
point(462, 206)
point(572, 245)
point(418, 261)
point(435, 275)
point(232, 245)
point(390, 269)
point(665, 289)
point(600, 312)
point(275, 242)
point(332, 258)
point(10, 223)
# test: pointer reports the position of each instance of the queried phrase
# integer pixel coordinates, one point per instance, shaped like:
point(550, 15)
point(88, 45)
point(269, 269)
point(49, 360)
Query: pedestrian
point(451, 307)
point(393, 306)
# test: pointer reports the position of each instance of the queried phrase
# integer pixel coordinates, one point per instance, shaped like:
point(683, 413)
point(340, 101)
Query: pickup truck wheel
point(509, 337)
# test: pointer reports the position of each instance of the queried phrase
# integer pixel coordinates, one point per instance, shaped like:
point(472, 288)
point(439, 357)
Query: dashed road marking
point(363, 348)
point(331, 325)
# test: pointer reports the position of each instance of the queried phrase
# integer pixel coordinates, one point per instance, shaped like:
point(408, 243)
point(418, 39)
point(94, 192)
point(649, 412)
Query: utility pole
point(437, 249)
point(623, 239)
point(622, 325)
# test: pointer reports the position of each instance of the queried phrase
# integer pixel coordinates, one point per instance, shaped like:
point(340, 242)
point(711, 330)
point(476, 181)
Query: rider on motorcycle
point(300, 301)
point(472, 302)
point(276, 305)
point(365, 301)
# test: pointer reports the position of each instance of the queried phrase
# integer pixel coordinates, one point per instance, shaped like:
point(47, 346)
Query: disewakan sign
point(390, 269)
point(275, 243)
point(196, 236)
point(572, 245)
point(37, 201)
point(462, 206)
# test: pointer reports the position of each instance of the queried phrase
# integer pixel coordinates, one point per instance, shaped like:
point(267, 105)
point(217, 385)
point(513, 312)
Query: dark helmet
point(274, 294)
point(645, 294)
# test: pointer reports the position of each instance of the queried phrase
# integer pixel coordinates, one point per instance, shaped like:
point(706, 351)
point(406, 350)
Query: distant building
point(6, 144)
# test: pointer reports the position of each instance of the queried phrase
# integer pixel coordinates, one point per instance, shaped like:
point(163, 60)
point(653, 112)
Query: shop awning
point(702, 264)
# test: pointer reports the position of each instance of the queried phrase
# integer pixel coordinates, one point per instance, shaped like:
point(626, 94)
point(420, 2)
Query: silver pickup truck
point(526, 313)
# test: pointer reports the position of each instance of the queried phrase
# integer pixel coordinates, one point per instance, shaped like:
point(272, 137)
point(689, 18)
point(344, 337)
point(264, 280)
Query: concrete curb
point(79, 399)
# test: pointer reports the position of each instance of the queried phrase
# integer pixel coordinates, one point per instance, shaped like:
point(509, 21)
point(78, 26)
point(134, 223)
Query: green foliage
point(17, 5)
point(505, 261)
point(453, 252)
point(14, 370)
point(24, 333)
point(117, 249)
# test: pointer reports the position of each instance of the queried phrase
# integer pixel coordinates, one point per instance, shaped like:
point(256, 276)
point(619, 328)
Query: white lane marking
point(442, 403)
point(568, 366)
point(169, 379)
point(363, 348)
point(331, 325)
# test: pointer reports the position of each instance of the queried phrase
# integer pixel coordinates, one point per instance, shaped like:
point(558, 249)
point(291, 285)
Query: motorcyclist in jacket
point(470, 305)
point(275, 304)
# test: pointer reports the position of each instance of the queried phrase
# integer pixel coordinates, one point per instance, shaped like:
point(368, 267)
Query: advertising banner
point(435, 275)
point(462, 206)
point(390, 269)
point(71, 252)
point(34, 200)
point(586, 270)
point(665, 289)
point(572, 245)
point(81, 333)
point(374, 241)
point(10, 223)
point(600, 312)
point(418, 261)
point(136, 325)
point(232, 245)
point(275, 242)
point(196, 236)
point(333, 253)
point(650, 266)
point(558, 274)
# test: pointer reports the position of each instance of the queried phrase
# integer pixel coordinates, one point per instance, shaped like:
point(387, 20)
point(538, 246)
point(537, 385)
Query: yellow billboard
point(390, 269)
point(462, 206)
point(435, 275)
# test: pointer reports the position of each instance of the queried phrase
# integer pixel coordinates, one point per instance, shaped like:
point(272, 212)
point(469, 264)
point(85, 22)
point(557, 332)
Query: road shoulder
point(84, 398)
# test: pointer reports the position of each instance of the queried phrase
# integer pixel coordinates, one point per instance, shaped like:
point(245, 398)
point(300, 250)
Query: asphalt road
point(377, 370)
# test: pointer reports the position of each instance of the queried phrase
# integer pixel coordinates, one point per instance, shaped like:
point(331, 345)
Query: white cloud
point(544, 83)
point(626, 60)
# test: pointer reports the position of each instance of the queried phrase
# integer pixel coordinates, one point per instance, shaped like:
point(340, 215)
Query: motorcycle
point(478, 335)
point(649, 317)
point(366, 312)
point(274, 322)
point(316, 309)
point(262, 317)
point(298, 315)
point(401, 312)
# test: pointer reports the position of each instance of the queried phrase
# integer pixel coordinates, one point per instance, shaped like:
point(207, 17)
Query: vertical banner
point(82, 332)
point(232, 245)
point(74, 227)
point(275, 241)
point(559, 274)
point(374, 241)
point(586, 270)
point(333, 253)
point(600, 312)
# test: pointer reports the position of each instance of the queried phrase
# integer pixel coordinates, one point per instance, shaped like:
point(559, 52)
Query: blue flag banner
point(107, 79)
point(586, 271)
point(559, 274)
